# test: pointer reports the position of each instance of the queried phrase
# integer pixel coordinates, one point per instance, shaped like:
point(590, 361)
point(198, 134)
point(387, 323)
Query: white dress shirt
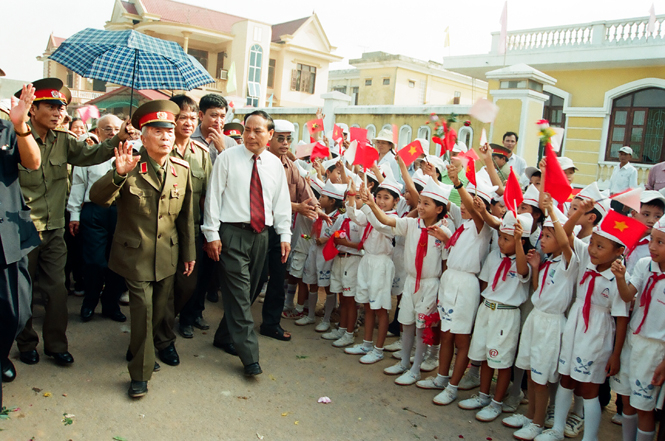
point(623, 178)
point(227, 198)
point(82, 180)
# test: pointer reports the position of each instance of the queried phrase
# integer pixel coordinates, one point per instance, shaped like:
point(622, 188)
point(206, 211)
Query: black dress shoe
point(169, 355)
point(186, 331)
point(116, 316)
point(138, 389)
point(212, 296)
point(252, 370)
point(129, 356)
point(29, 357)
point(201, 324)
point(229, 348)
point(8, 371)
point(156, 368)
point(62, 358)
point(86, 314)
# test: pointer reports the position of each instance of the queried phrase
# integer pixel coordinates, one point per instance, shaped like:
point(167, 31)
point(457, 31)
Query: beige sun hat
point(384, 135)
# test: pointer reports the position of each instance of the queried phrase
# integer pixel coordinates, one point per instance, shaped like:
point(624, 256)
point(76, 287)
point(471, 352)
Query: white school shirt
point(410, 227)
point(227, 198)
point(82, 180)
point(514, 290)
point(356, 235)
point(303, 226)
point(559, 287)
point(471, 248)
point(623, 178)
point(640, 251)
point(605, 294)
point(380, 239)
point(403, 210)
point(654, 325)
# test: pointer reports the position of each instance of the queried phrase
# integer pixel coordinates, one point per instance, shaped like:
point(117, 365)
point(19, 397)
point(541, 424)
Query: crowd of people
point(175, 205)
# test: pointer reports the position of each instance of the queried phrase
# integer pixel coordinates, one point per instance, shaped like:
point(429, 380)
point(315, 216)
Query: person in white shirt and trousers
point(624, 177)
point(247, 193)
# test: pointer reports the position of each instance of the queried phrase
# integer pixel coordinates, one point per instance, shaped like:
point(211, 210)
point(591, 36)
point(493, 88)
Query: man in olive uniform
point(45, 192)
point(189, 292)
point(155, 229)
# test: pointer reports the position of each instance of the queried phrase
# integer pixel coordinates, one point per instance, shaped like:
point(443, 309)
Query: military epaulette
point(60, 129)
point(179, 161)
point(200, 145)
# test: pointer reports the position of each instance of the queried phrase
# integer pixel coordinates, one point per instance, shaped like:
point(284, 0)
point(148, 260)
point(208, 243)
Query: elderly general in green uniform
point(45, 192)
point(155, 229)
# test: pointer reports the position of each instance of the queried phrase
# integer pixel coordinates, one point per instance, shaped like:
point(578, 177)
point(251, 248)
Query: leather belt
point(244, 226)
point(493, 306)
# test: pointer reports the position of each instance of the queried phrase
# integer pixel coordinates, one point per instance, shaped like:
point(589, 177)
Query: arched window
point(404, 136)
point(305, 134)
point(387, 127)
point(424, 132)
point(355, 125)
point(254, 75)
point(465, 135)
point(371, 131)
point(638, 121)
point(294, 141)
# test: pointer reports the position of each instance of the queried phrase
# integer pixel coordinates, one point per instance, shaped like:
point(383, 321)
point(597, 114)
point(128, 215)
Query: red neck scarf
point(421, 252)
point(453, 239)
point(645, 300)
point(544, 268)
point(505, 267)
point(586, 309)
point(318, 224)
point(346, 228)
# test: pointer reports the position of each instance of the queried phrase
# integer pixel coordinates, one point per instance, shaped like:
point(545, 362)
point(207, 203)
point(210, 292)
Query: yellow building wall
point(508, 119)
point(582, 145)
point(530, 140)
point(377, 94)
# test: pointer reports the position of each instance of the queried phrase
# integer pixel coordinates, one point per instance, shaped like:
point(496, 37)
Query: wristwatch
point(23, 135)
point(458, 186)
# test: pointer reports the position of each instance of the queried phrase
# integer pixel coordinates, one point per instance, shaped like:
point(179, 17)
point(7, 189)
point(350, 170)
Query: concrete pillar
point(185, 46)
point(331, 101)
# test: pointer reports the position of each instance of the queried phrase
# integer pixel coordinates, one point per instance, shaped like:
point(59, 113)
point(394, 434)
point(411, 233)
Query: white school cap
point(392, 185)
point(439, 192)
point(509, 220)
point(531, 196)
point(335, 191)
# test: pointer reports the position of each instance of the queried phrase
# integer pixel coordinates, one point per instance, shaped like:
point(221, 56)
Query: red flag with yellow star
point(410, 152)
point(471, 171)
point(338, 134)
point(625, 229)
point(315, 125)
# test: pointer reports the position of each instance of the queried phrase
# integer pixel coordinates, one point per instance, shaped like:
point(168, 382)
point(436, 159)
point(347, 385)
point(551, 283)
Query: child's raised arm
point(520, 257)
point(408, 182)
point(559, 233)
point(626, 291)
point(486, 155)
point(467, 199)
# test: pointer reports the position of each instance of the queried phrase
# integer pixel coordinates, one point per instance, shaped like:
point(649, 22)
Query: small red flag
point(450, 140)
point(471, 171)
point(556, 182)
point(330, 250)
point(358, 134)
point(366, 155)
point(624, 228)
point(338, 134)
point(512, 193)
point(471, 154)
point(315, 125)
point(410, 152)
point(395, 135)
point(319, 151)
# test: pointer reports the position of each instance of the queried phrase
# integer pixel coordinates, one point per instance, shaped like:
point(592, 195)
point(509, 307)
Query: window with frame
point(99, 85)
point(354, 93)
point(553, 111)
point(368, 82)
point(271, 72)
point(341, 89)
point(638, 121)
point(303, 78)
point(386, 81)
point(371, 131)
point(70, 79)
point(201, 56)
point(254, 75)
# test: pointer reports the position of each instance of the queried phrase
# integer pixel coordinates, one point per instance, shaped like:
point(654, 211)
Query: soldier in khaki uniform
point(45, 192)
point(155, 229)
point(188, 304)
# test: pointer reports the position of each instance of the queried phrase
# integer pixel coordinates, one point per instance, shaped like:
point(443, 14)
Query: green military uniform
point(155, 230)
point(45, 192)
point(197, 156)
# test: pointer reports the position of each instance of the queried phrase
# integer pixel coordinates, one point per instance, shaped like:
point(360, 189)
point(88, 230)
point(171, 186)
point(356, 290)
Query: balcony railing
point(85, 94)
point(605, 169)
point(218, 85)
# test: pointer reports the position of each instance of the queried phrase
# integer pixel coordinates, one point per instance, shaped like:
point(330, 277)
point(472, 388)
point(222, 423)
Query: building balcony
point(85, 95)
point(217, 86)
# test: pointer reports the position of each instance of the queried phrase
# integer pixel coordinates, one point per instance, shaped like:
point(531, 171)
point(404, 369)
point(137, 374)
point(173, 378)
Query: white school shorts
point(459, 295)
point(540, 346)
point(297, 264)
point(639, 358)
point(495, 336)
point(310, 275)
point(375, 278)
point(400, 270)
point(344, 275)
point(415, 306)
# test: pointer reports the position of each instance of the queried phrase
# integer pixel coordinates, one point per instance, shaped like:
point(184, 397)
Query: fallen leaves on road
point(67, 419)
point(302, 357)
point(119, 438)
point(285, 413)
point(36, 389)
point(47, 394)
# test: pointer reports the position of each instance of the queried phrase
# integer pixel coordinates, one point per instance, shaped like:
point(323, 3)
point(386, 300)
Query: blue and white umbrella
point(131, 59)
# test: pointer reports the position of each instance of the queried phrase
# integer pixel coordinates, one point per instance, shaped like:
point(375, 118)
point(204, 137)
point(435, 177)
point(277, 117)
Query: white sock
point(578, 406)
point(516, 388)
point(484, 396)
point(350, 334)
point(453, 388)
point(592, 413)
point(645, 436)
point(552, 388)
point(367, 344)
point(495, 404)
point(441, 380)
point(562, 403)
point(408, 335)
point(629, 427)
point(300, 308)
point(379, 351)
point(313, 297)
point(421, 347)
point(341, 331)
point(434, 351)
point(290, 294)
point(331, 302)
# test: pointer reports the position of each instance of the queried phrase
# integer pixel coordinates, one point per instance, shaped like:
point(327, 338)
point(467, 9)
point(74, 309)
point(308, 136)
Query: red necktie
point(257, 208)
point(421, 252)
point(544, 268)
point(645, 300)
point(368, 229)
point(453, 239)
point(586, 309)
point(505, 267)
point(641, 242)
point(346, 228)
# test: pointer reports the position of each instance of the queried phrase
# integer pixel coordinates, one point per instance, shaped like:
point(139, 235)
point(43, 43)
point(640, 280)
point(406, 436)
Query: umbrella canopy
point(131, 59)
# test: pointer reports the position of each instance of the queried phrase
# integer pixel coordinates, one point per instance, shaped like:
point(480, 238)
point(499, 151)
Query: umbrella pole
point(131, 96)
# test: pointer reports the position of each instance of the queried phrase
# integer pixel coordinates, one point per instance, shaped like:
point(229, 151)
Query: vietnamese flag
point(512, 193)
point(471, 171)
point(315, 125)
point(338, 134)
point(358, 134)
point(411, 152)
point(556, 182)
point(329, 249)
point(319, 151)
point(626, 229)
point(366, 155)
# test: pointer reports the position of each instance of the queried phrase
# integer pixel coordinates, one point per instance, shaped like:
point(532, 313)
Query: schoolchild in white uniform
point(376, 270)
point(644, 349)
point(459, 290)
point(589, 349)
point(652, 207)
point(318, 275)
point(504, 277)
point(553, 281)
point(530, 205)
point(422, 259)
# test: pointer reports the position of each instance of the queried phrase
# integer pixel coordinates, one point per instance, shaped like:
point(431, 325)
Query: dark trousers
point(46, 265)
point(96, 233)
point(74, 265)
point(276, 270)
point(15, 295)
point(206, 277)
point(240, 267)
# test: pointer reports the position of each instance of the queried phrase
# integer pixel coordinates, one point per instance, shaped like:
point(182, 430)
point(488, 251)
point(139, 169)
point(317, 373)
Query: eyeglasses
point(282, 138)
